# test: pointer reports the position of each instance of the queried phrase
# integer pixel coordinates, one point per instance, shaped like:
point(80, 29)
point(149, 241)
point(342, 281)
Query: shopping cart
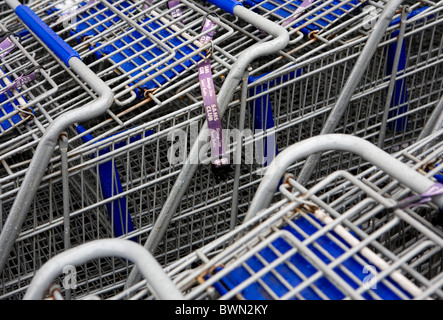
point(302, 104)
point(342, 238)
point(311, 102)
point(396, 110)
point(51, 220)
point(177, 193)
point(20, 155)
point(346, 237)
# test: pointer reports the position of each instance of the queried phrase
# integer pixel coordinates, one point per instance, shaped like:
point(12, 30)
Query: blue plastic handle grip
point(227, 5)
point(56, 44)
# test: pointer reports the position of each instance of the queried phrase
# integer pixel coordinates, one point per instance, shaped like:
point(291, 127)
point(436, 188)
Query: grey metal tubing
point(66, 196)
point(393, 167)
point(44, 151)
point(65, 186)
point(237, 154)
point(354, 79)
point(439, 122)
point(63, 143)
point(392, 82)
point(280, 41)
point(435, 122)
point(157, 279)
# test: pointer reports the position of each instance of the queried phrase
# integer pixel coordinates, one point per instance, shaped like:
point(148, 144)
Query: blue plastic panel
point(111, 186)
point(256, 291)
point(133, 52)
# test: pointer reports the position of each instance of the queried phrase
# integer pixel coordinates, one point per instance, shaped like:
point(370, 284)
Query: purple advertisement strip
point(20, 81)
point(176, 13)
point(6, 46)
point(435, 190)
point(211, 107)
point(210, 101)
point(206, 38)
point(298, 12)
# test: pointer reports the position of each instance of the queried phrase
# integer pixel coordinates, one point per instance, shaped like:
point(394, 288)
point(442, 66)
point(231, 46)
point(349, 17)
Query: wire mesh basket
point(23, 83)
point(341, 239)
point(347, 237)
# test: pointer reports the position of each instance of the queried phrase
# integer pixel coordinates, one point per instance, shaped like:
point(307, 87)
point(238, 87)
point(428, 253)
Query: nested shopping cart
point(347, 237)
point(376, 235)
point(262, 115)
point(117, 180)
point(136, 49)
point(306, 116)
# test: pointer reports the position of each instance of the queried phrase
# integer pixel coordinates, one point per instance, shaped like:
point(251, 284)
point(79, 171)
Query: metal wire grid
point(202, 215)
point(323, 14)
point(301, 102)
point(58, 91)
point(72, 97)
point(406, 239)
point(126, 116)
point(153, 103)
point(146, 45)
point(5, 11)
point(44, 214)
point(303, 43)
point(146, 178)
point(278, 255)
point(324, 26)
point(23, 82)
point(111, 32)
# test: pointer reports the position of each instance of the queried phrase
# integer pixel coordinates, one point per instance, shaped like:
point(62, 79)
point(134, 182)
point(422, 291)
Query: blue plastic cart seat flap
point(134, 53)
point(111, 185)
point(439, 175)
point(299, 267)
point(261, 110)
point(285, 9)
point(399, 103)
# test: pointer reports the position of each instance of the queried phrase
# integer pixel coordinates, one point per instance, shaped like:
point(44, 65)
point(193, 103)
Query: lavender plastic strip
point(298, 12)
point(6, 46)
point(176, 13)
point(206, 38)
point(210, 101)
point(435, 190)
point(20, 81)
